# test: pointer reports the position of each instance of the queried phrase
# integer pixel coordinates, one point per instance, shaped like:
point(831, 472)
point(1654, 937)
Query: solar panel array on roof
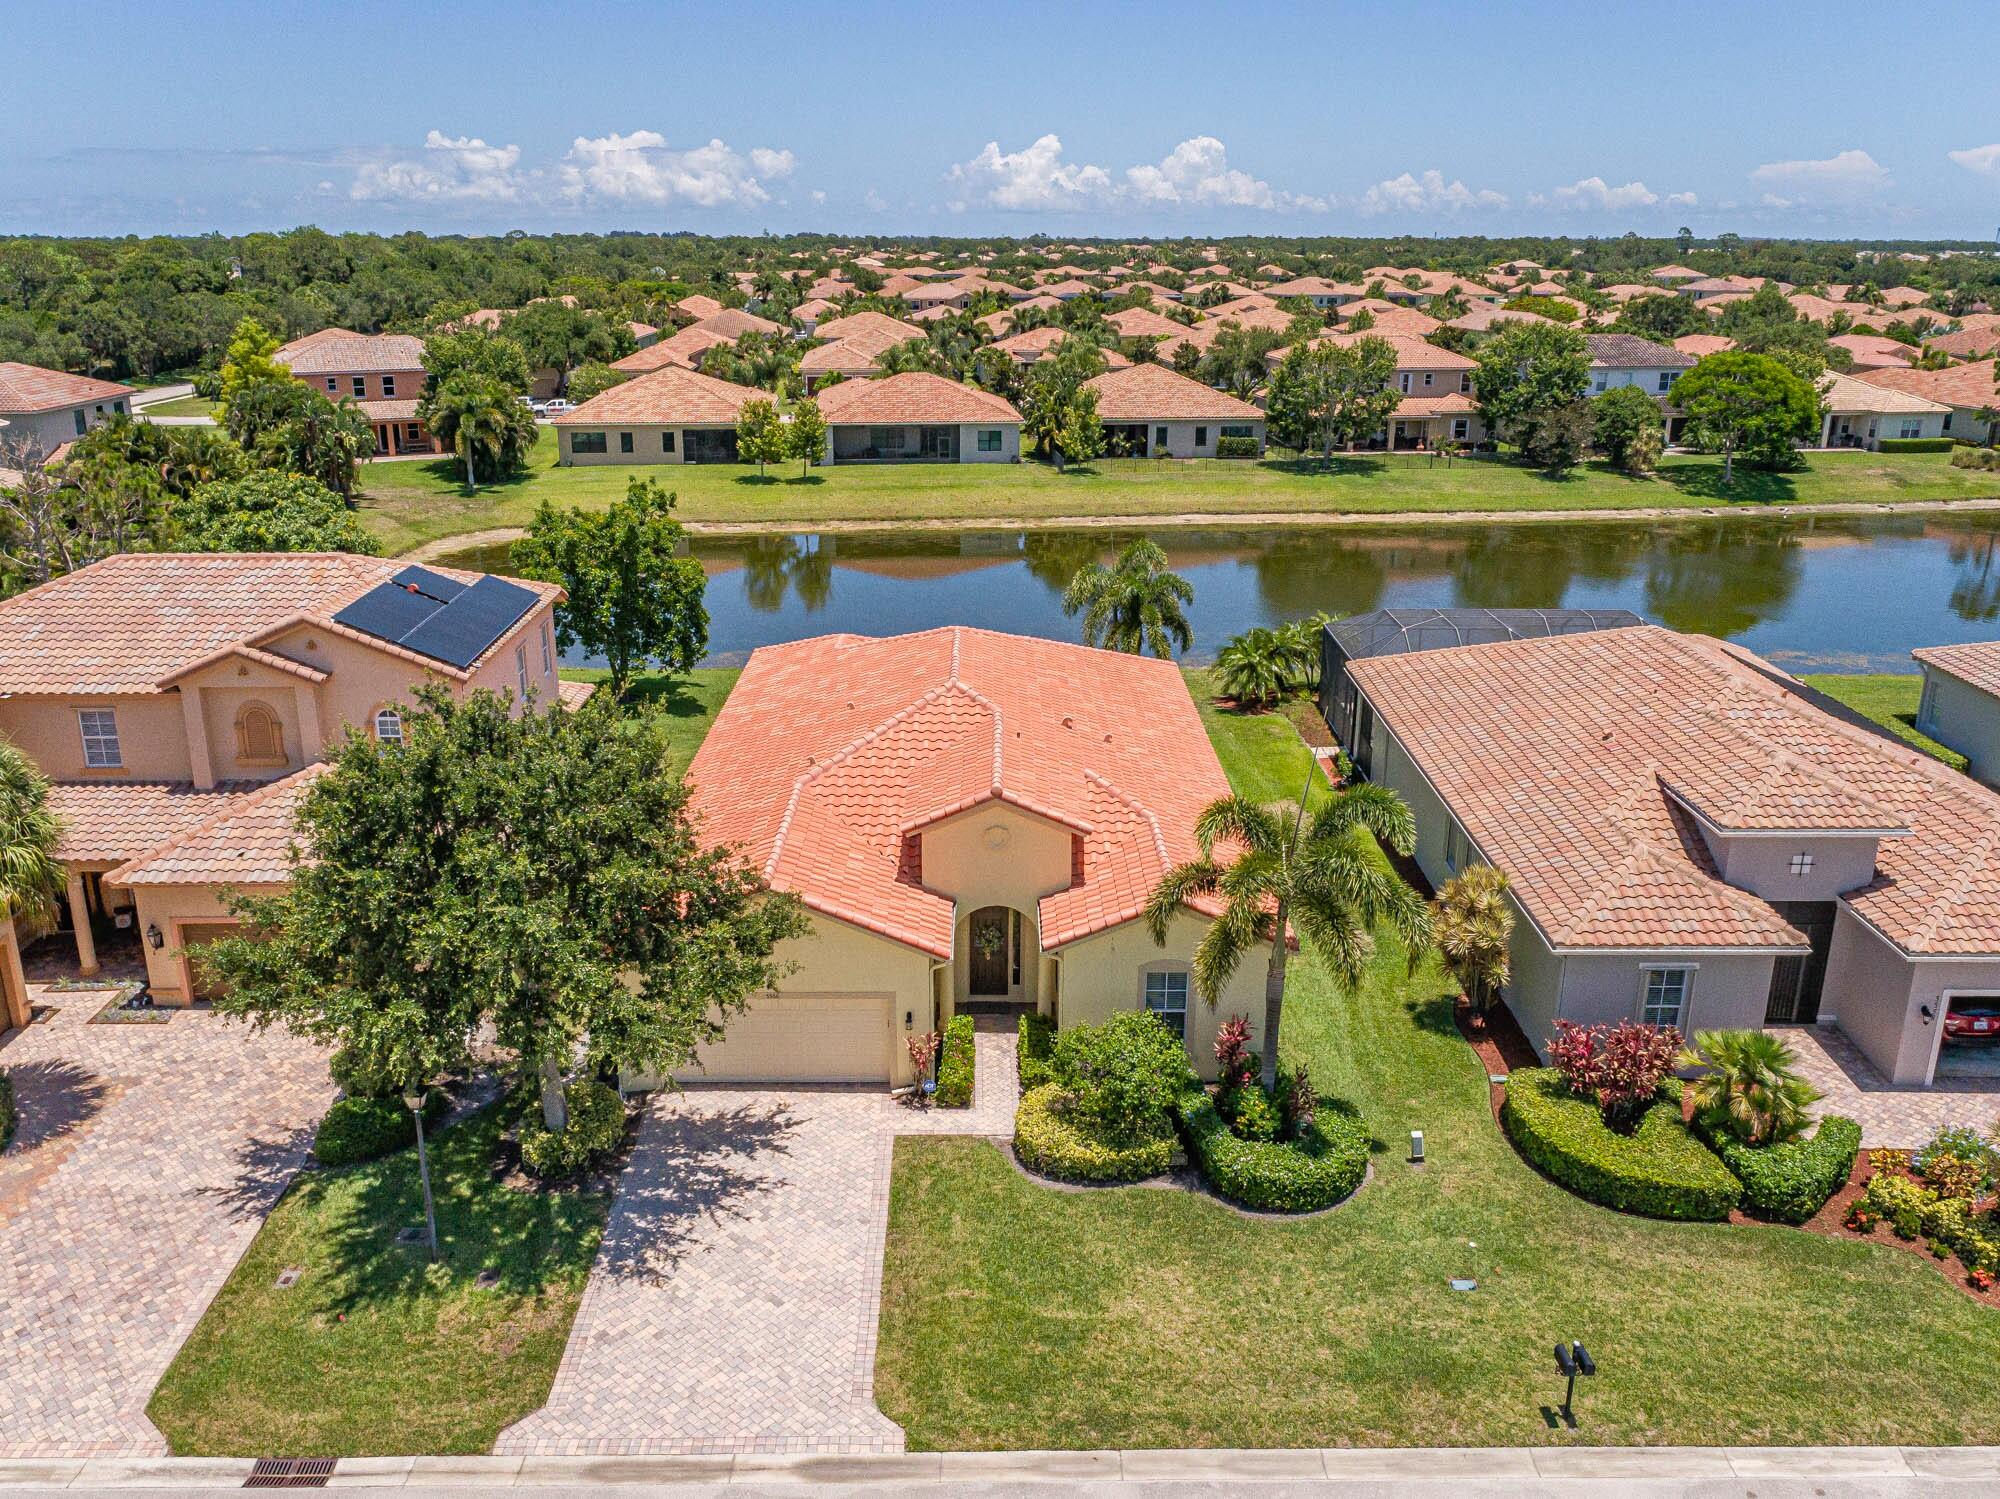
point(439, 617)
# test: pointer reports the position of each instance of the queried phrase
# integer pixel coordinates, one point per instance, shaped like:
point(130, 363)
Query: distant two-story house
point(181, 703)
point(1622, 359)
point(1438, 404)
point(40, 409)
point(1692, 838)
point(382, 373)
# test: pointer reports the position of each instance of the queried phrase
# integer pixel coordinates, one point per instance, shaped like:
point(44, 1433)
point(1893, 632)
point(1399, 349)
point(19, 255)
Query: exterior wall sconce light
point(153, 938)
point(1925, 1011)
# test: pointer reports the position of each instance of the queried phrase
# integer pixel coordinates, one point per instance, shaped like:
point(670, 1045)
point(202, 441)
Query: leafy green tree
point(555, 336)
point(1620, 416)
point(1748, 403)
point(806, 436)
point(554, 890)
point(1530, 387)
point(248, 360)
point(1472, 925)
point(266, 512)
point(588, 380)
point(1327, 396)
point(31, 876)
point(286, 424)
point(1312, 869)
point(632, 597)
point(767, 361)
point(1752, 1088)
point(1137, 605)
point(760, 436)
point(480, 420)
point(1662, 317)
point(1059, 409)
point(1235, 360)
point(475, 351)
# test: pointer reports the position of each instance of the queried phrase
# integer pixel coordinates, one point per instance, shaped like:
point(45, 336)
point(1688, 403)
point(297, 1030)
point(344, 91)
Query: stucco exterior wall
point(848, 441)
point(45, 431)
point(152, 739)
point(1868, 984)
point(996, 855)
point(1193, 439)
point(1959, 716)
point(647, 446)
point(1104, 974)
point(1763, 865)
point(168, 907)
point(1534, 981)
point(1726, 992)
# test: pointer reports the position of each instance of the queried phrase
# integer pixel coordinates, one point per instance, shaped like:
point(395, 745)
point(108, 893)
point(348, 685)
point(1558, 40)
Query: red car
point(1979, 1021)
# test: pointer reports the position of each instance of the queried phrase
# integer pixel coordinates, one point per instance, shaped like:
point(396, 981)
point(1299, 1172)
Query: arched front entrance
point(996, 958)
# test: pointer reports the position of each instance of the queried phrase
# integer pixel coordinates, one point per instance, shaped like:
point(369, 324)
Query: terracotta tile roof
point(1481, 318)
point(733, 322)
point(1701, 345)
point(1977, 662)
point(1870, 351)
point(1143, 322)
point(812, 309)
point(574, 694)
point(1313, 286)
point(1452, 403)
point(1672, 273)
point(877, 323)
point(1569, 760)
point(857, 354)
point(335, 351)
point(26, 388)
point(831, 752)
point(671, 396)
point(1272, 318)
point(1154, 393)
point(248, 842)
point(106, 822)
point(397, 410)
point(1968, 386)
point(1967, 343)
point(1411, 353)
point(913, 397)
point(126, 624)
point(1855, 393)
point(1403, 320)
point(684, 348)
point(1238, 306)
point(1627, 351)
point(697, 307)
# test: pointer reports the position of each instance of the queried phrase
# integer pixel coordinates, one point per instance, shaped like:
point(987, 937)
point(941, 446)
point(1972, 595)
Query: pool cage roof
point(1397, 632)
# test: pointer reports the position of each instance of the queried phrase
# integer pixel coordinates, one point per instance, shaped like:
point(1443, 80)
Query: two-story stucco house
point(40, 409)
point(382, 373)
point(1437, 405)
point(1693, 838)
point(180, 703)
point(971, 819)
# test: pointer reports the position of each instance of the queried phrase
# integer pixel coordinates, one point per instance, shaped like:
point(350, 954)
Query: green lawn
point(1889, 700)
point(182, 406)
point(1017, 1316)
point(367, 1354)
point(690, 700)
point(407, 504)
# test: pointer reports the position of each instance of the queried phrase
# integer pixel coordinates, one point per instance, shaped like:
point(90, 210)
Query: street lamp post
point(414, 1101)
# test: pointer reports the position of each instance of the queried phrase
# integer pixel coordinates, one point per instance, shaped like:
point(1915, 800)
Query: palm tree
point(1289, 868)
point(31, 877)
point(1472, 924)
point(1135, 606)
point(1752, 1089)
point(481, 420)
point(1259, 666)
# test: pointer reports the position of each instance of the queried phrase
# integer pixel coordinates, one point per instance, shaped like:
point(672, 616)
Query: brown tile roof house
point(1481, 318)
point(1967, 343)
point(669, 397)
point(1153, 393)
point(334, 351)
point(1142, 322)
point(1701, 345)
point(1036, 344)
point(1405, 321)
point(1968, 389)
point(693, 309)
point(1627, 351)
point(867, 322)
point(28, 388)
point(856, 353)
point(1870, 351)
point(1238, 306)
point(684, 348)
point(915, 398)
point(1678, 801)
point(1975, 661)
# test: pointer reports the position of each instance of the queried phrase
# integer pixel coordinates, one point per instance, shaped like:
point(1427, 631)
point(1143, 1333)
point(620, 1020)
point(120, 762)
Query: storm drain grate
point(289, 1473)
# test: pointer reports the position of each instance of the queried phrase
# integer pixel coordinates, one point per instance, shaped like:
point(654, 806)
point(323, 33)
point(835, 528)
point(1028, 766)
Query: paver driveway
point(734, 1302)
point(146, 1158)
point(1900, 1115)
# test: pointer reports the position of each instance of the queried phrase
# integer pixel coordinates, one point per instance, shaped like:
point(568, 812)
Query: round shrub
point(596, 1125)
point(1050, 1138)
point(1122, 1076)
point(1660, 1170)
point(365, 1129)
point(954, 1074)
point(1791, 1181)
point(1252, 1113)
point(1315, 1171)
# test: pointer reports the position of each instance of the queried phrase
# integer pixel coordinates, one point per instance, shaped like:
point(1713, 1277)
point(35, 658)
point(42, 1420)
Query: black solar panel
point(388, 612)
point(461, 631)
point(437, 585)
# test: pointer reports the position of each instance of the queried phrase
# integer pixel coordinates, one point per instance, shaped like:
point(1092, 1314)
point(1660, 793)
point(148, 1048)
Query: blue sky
point(1078, 118)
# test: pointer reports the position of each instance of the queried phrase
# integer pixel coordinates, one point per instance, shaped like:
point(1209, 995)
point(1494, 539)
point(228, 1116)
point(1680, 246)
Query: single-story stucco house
point(1960, 703)
point(1860, 414)
point(971, 819)
point(918, 418)
point(1148, 410)
point(1694, 838)
point(672, 415)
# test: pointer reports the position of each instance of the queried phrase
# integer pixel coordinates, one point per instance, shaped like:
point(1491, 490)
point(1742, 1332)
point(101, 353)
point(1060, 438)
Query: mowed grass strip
point(1890, 700)
point(370, 1352)
point(408, 503)
point(1015, 1316)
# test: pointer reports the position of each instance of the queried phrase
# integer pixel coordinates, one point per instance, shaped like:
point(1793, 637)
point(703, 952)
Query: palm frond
point(1177, 887)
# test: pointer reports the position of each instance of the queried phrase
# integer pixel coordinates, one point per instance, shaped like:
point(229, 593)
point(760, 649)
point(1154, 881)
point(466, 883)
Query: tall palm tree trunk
point(1274, 1004)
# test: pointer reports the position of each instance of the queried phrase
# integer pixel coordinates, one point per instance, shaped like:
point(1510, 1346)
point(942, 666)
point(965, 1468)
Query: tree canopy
point(1324, 397)
point(266, 512)
point(1750, 404)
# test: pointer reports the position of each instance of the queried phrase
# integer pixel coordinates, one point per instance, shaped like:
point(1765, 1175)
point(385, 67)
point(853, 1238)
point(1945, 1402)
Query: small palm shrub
point(1472, 925)
point(1752, 1089)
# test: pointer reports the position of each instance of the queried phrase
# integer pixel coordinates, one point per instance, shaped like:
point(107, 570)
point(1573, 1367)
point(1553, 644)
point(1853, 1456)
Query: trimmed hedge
point(1792, 1181)
point(1236, 447)
point(954, 1074)
point(7, 1115)
point(366, 1129)
point(1037, 1045)
point(1660, 1170)
point(1049, 1143)
point(1283, 1176)
point(1916, 444)
point(596, 1125)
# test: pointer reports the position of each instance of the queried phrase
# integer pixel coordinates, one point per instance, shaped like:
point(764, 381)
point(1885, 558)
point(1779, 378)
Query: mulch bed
point(1502, 1046)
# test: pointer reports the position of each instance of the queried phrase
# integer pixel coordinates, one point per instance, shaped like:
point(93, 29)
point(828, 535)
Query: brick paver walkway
point(146, 1158)
point(1890, 1115)
point(733, 1306)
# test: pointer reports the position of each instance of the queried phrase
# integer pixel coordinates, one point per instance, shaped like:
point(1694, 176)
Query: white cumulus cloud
point(1842, 177)
point(1198, 171)
point(452, 169)
point(1035, 177)
point(1038, 178)
point(641, 167)
point(1429, 193)
point(1597, 194)
point(1983, 159)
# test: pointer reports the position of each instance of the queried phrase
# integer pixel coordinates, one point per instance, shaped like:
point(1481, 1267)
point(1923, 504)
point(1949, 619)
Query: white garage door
point(819, 1038)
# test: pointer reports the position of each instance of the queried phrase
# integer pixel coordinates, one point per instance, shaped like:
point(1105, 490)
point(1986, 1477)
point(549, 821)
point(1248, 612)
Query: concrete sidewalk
point(1767, 1472)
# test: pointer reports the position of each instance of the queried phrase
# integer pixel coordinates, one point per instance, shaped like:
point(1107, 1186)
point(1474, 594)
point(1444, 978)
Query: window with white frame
point(1664, 997)
point(521, 668)
point(388, 386)
point(360, 386)
point(1403, 379)
point(1166, 997)
point(100, 738)
point(1465, 383)
point(1802, 865)
point(332, 386)
point(1911, 429)
point(548, 657)
point(1667, 378)
point(388, 726)
point(989, 440)
point(1461, 428)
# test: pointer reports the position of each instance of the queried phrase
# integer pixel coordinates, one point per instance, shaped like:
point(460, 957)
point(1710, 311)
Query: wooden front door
point(988, 935)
